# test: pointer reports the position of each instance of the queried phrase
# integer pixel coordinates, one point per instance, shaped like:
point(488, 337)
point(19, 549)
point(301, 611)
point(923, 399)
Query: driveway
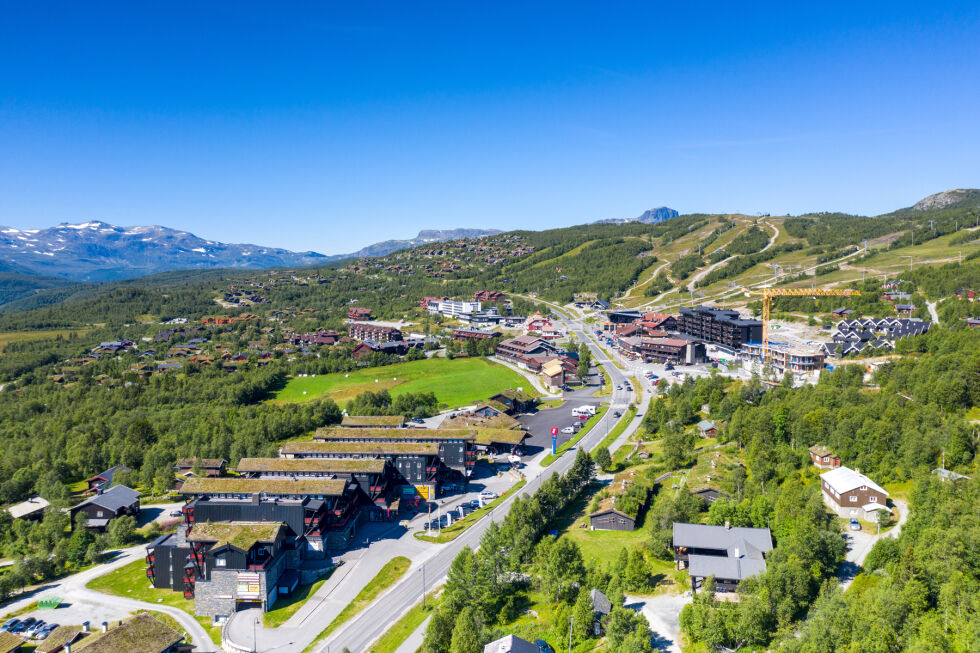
point(859, 544)
point(663, 613)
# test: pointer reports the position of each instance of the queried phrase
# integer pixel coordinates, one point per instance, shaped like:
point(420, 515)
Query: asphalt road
point(365, 627)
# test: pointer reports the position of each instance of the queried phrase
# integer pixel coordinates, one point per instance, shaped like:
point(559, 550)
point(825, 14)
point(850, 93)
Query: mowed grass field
point(456, 382)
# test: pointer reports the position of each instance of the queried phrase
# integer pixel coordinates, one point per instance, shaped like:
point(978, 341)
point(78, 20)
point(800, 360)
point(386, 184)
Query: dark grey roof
point(725, 567)
point(701, 536)
point(600, 602)
point(113, 499)
point(511, 644)
point(108, 474)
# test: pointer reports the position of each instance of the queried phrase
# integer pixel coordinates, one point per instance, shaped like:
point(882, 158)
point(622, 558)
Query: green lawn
point(454, 531)
point(401, 629)
point(389, 574)
point(619, 428)
point(286, 606)
point(456, 382)
point(550, 458)
point(131, 582)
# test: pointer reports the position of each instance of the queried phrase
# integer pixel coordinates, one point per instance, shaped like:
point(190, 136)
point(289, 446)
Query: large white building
point(454, 308)
point(849, 493)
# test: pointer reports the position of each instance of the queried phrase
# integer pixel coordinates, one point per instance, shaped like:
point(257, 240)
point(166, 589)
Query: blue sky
point(329, 127)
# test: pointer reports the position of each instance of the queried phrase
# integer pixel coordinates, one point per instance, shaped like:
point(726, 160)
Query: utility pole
point(423, 585)
point(571, 622)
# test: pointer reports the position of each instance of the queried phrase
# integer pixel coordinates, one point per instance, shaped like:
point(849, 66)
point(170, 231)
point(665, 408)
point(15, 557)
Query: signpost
point(554, 440)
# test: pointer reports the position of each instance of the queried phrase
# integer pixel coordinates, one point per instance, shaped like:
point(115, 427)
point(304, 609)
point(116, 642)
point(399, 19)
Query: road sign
point(554, 430)
point(554, 440)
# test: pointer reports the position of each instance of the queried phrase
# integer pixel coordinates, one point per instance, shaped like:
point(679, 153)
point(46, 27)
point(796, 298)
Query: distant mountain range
point(650, 216)
point(425, 237)
point(97, 251)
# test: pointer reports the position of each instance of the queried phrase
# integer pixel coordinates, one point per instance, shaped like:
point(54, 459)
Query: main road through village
point(358, 633)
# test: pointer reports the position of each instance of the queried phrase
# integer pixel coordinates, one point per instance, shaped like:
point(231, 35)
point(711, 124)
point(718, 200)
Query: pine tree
point(469, 635)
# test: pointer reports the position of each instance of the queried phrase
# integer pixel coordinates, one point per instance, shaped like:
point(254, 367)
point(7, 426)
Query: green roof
point(370, 465)
point(493, 403)
point(241, 535)
point(9, 642)
point(518, 395)
point(372, 420)
point(371, 448)
point(143, 633)
point(507, 436)
point(329, 487)
point(58, 637)
point(341, 433)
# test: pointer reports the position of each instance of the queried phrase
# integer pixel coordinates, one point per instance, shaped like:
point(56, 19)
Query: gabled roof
point(511, 644)
point(29, 507)
point(600, 602)
point(726, 568)
point(706, 425)
point(115, 498)
point(108, 474)
point(341, 433)
point(205, 463)
point(845, 479)
point(701, 536)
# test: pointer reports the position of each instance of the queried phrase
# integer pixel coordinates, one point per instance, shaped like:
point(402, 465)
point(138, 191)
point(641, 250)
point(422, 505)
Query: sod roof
point(517, 395)
point(368, 448)
point(9, 642)
point(504, 436)
point(142, 633)
point(58, 638)
point(341, 433)
point(372, 420)
point(350, 465)
point(241, 535)
point(329, 487)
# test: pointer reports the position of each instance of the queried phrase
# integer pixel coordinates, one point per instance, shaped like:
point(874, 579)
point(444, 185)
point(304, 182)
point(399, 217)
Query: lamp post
point(423, 585)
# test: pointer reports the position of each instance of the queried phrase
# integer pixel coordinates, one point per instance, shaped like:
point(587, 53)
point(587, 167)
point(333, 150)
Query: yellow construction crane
point(769, 293)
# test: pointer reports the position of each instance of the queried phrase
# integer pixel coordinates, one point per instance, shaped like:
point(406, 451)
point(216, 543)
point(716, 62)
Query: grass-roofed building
point(443, 466)
point(375, 477)
point(143, 633)
point(373, 421)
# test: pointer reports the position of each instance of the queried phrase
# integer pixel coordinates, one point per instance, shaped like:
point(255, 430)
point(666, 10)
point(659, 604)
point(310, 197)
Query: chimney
point(84, 626)
point(105, 626)
point(728, 526)
point(67, 647)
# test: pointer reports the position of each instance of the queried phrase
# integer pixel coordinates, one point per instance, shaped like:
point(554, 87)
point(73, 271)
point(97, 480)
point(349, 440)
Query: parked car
point(543, 646)
point(668, 367)
point(418, 420)
point(475, 503)
point(568, 430)
point(24, 625)
point(616, 413)
point(34, 629)
point(9, 625)
point(488, 495)
point(855, 525)
point(176, 513)
point(584, 416)
point(46, 631)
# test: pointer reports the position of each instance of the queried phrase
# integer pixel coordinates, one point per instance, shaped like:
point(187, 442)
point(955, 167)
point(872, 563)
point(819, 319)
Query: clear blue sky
point(329, 127)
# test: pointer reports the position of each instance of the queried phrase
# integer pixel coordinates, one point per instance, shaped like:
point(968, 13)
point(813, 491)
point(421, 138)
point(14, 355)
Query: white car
point(488, 495)
point(568, 430)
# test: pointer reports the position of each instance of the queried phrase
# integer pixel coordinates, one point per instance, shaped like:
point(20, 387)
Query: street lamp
point(422, 569)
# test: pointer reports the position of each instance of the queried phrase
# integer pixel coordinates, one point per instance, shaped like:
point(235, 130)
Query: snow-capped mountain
point(97, 251)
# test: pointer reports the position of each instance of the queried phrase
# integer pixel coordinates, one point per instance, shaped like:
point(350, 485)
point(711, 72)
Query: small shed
point(607, 518)
point(31, 509)
point(707, 428)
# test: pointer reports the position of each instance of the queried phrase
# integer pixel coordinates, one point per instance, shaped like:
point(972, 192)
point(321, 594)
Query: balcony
point(151, 573)
point(149, 559)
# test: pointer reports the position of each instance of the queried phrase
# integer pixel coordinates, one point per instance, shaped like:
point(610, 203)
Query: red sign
point(554, 430)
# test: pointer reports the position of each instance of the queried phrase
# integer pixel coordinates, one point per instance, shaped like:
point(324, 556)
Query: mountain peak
point(947, 199)
point(650, 216)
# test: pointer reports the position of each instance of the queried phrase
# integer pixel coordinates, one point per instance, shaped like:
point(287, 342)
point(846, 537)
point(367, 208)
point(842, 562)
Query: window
point(872, 499)
point(98, 514)
point(853, 498)
point(220, 562)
